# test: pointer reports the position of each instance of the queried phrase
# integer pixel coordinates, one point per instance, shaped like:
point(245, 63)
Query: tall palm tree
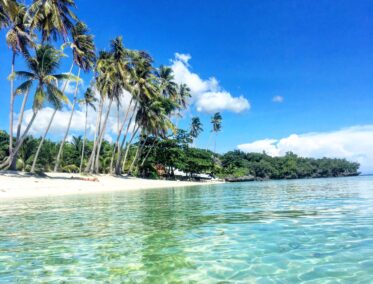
point(18, 38)
point(84, 57)
point(42, 68)
point(195, 127)
point(144, 86)
point(111, 81)
point(89, 100)
point(216, 121)
point(54, 18)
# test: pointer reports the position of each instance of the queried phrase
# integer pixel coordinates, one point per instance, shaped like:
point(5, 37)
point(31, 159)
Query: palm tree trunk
point(100, 138)
point(42, 141)
point(21, 114)
point(138, 154)
point(84, 140)
point(6, 164)
point(148, 153)
point(19, 125)
point(60, 151)
point(120, 149)
point(11, 109)
point(128, 146)
point(116, 148)
point(89, 167)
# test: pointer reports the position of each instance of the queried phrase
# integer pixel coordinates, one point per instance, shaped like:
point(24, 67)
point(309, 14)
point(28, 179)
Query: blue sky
point(316, 55)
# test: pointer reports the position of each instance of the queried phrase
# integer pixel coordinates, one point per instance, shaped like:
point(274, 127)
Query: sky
point(286, 75)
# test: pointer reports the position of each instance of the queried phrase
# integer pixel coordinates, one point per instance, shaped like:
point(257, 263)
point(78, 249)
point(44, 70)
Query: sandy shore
point(20, 185)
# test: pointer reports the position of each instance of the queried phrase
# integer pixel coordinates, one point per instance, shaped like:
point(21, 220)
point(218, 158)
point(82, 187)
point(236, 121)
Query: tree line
point(154, 157)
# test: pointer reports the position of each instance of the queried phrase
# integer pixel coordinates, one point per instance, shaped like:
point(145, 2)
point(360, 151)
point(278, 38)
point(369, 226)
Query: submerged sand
point(20, 185)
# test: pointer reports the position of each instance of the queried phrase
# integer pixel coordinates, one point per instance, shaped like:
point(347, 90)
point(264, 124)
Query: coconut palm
point(216, 121)
point(89, 100)
point(112, 82)
point(195, 127)
point(42, 69)
point(54, 18)
point(17, 38)
point(84, 57)
point(168, 87)
point(144, 86)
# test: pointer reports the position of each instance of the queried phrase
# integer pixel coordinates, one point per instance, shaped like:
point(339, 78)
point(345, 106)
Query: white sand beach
point(19, 185)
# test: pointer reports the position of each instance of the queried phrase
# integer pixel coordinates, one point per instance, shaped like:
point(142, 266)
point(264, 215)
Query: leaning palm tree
point(18, 38)
point(144, 86)
point(216, 125)
point(89, 100)
point(42, 69)
point(56, 99)
point(195, 127)
point(84, 57)
point(54, 18)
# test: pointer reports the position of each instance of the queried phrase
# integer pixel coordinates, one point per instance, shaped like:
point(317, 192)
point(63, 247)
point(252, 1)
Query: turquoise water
point(300, 231)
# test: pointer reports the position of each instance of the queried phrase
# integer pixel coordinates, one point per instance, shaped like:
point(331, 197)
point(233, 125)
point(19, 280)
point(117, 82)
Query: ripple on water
point(312, 231)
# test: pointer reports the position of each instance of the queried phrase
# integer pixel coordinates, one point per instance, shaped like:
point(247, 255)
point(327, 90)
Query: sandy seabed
point(20, 185)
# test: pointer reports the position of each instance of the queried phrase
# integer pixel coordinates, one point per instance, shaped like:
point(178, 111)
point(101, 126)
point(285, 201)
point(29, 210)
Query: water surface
point(300, 231)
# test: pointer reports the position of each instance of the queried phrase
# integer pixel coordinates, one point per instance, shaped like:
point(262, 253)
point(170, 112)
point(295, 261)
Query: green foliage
point(238, 164)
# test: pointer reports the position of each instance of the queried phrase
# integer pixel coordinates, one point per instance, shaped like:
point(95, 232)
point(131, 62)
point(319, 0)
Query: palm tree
point(89, 100)
point(41, 71)
point(216, 121)
point(52, 17)
point(114, 83)
point(144, 86)
point(195, 127)
point(168, 88)
point(84, 57)
point(17, 38)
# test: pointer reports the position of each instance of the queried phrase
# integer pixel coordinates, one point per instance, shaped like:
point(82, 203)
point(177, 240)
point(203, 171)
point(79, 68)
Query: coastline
point(17, 185)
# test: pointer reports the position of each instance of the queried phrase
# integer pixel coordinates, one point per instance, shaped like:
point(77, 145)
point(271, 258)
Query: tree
point(195, 127)
point(18, 38)
point(89, 100)
point(84, 57)
point(54, 18)
point(41, 71)
point(216, 121)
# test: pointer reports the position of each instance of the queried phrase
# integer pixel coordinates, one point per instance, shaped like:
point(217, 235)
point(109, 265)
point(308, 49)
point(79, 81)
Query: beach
point(15, 185)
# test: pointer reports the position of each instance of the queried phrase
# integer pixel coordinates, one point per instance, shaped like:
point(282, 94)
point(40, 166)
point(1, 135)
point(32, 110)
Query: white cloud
point(207, 95)
point(277, 99)
point(59, 124)
point(353, 143)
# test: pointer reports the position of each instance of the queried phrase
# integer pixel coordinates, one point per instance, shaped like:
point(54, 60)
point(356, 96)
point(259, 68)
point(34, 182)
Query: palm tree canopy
point(196, 127)
point(18, 36)
point(83, 47)
point(216, 122)
point(89, 99)
point(52, 17)
point(167, 85)
point(41, 70)
point(183, 95)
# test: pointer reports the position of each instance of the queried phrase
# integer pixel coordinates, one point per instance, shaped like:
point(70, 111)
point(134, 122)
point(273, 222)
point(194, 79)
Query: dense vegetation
point(160, 158)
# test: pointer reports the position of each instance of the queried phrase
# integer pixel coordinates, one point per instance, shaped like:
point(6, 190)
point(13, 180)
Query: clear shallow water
point(311, 231)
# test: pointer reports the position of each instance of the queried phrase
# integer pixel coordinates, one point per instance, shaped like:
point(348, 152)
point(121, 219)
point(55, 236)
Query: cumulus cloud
point(61, 119)
point(353, 143)
point(207, 95)
point(277, 99)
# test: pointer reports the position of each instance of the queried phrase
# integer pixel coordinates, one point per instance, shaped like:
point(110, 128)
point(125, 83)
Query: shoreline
point(19, 185)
